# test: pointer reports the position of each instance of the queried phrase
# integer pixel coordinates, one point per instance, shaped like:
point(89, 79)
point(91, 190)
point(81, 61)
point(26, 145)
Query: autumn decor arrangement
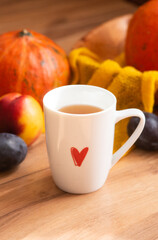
point(123, 60)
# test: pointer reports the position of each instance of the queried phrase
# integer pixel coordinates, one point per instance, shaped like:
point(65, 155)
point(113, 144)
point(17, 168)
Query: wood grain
point(31, 206)
point(125, 208)
point(63, 21)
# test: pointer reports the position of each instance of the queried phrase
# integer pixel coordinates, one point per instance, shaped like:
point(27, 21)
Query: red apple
point(21, 115)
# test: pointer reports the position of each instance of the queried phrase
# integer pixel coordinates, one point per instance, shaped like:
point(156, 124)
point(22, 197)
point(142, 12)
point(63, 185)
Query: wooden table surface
point(31, 206)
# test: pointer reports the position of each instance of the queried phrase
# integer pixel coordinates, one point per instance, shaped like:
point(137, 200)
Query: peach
point(21, 115)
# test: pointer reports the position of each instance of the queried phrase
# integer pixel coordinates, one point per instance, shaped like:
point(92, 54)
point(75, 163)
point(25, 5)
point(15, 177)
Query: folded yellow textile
point(149, 88)
point(107, 70)
point(126, 86)
point(120, 59)
point(83, 63)
point(133, 89)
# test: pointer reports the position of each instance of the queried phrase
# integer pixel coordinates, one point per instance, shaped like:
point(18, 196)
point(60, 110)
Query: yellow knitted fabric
point(120, 59)
point(107, 70)
point(149, 88)
point(126, 87)
point(133, 89)
point(83, 64)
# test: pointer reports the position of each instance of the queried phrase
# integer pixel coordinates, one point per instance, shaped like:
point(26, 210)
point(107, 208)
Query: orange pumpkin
point(142, 38)
point(31, 63)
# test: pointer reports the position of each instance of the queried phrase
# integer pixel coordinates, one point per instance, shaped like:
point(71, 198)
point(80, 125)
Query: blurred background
point(63, 21)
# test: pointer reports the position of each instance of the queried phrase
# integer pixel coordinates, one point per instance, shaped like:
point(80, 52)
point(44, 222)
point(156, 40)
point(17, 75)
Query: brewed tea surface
point(80, 109)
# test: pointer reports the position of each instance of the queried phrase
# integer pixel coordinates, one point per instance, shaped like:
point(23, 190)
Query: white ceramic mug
point(80, 146)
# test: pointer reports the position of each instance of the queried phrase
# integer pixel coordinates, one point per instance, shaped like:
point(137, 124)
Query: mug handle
point(125, 114)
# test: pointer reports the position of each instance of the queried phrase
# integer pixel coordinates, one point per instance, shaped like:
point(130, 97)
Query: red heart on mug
point(77, 156)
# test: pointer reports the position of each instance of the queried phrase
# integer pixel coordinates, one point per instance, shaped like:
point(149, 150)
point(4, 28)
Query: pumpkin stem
point(24, 32)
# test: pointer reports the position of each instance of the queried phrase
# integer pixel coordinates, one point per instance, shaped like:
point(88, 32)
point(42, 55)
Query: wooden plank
point(32, 164)
point(127, 205)
point(60, 19)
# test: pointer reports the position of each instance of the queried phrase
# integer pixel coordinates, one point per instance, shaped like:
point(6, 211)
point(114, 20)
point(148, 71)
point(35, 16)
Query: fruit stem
point(24, 32)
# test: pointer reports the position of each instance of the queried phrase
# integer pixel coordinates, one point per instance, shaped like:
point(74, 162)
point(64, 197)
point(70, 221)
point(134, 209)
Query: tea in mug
point(80, 109)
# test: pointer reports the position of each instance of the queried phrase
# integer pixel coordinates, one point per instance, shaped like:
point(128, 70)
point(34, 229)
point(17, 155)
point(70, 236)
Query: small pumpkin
point(31, 63)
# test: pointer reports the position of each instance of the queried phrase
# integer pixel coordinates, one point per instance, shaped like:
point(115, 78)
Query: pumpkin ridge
point(21, 72)
point(40, 38)
point(8, 49)
point(44, 51)
point(40, 56)
point(8, 37)
point(53, 46)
